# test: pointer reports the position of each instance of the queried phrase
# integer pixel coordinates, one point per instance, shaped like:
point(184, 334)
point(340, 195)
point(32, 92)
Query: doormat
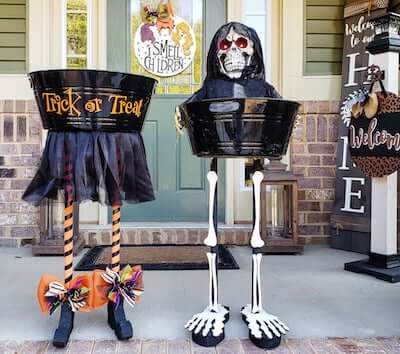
point(157, 257)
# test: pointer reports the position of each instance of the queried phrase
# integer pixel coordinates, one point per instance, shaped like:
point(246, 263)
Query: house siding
point(13, 25)
point(323, 37)
point(313, 154)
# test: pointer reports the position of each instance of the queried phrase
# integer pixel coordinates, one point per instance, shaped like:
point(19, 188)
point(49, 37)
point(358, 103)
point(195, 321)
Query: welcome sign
point(164, 43)
point(375, 143)
point(351, 211)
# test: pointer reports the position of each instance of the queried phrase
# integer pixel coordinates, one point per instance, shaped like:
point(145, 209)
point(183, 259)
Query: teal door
point(179, 178)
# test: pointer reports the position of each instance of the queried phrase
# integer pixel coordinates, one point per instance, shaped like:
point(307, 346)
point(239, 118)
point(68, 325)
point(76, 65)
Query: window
point(188, 81)
point(76, 34)
point(255, 17)
point(13, 36)
point(324, 30)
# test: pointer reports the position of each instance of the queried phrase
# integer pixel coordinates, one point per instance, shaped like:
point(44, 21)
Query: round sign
point(165, 51)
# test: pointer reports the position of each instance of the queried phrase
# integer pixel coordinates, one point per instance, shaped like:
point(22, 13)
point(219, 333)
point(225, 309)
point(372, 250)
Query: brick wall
point(20, 141)
point(313, 153)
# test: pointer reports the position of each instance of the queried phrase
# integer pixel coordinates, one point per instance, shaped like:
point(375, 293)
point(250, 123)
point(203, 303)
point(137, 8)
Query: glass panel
point(255, 7)
point(257, 22)
point(76, 63)
point(76, 34)
point(164, 29)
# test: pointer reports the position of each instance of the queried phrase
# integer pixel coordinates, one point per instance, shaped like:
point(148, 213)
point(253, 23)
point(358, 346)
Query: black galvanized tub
point(92, 100)
point(240, 127)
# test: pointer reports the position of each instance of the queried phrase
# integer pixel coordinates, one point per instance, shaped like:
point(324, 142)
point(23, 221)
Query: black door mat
point(157, 257)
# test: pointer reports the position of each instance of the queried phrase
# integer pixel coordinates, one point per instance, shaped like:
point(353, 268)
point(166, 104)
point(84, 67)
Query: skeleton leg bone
point(211, 239)
point(207, 327)
point(265, 330)
point(213, 295)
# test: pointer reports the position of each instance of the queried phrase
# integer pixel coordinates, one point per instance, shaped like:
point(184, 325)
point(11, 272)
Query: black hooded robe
point(252, 82)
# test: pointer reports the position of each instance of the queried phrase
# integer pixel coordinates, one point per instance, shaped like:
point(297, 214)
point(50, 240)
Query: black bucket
point(240, 127)
point(92, 100)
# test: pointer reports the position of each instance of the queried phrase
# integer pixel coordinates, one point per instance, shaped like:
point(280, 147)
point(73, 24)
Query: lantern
point(279, 205)
point(51, 229)
point(387, 33)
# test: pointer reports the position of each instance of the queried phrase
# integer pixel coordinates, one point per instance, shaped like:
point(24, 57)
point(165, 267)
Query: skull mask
point(234, 54)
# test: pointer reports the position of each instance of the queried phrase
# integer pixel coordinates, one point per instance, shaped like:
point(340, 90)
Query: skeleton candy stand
point(228, 117)
point(94, 151)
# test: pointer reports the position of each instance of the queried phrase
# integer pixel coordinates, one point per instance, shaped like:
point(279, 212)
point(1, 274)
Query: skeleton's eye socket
point(225, 44)
point(241, 42)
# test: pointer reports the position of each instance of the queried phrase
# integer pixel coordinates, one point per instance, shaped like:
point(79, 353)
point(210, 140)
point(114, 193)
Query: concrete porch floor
point(311, 293)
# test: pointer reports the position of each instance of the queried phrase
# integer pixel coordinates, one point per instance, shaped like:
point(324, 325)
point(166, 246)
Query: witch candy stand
point(236, 113)
point(94, 151)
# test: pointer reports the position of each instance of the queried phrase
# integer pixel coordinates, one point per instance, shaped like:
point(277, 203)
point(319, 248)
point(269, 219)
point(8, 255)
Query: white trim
point(229, 191)
point(100, 58)
point(235, 12)
point(100, 47)
point(58, 23)
point(268, 40)
point(63, 33)
point(295, 84)
point(90, 34)
point(15, 87)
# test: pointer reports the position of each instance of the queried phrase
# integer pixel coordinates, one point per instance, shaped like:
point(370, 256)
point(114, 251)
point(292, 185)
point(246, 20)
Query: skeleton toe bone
point(262, 323)
point(208, 320)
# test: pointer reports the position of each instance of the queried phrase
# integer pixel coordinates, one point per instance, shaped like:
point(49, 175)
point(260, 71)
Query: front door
point(179, 178)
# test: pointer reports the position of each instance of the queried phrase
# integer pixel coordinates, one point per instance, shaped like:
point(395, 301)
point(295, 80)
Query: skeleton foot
point(208, 327)
point(265, 330)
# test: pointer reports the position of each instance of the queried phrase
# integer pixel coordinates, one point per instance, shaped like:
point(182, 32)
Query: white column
point(235, 12)
point(384, 190)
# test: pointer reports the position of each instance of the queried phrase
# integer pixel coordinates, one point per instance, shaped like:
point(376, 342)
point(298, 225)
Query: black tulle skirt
point(104, 167)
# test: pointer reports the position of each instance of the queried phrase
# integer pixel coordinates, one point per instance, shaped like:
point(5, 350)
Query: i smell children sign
point(351, 212)
point(164, 43)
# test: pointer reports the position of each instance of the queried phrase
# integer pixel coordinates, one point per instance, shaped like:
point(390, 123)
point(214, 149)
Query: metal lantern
point(387, 25)
point(387, 33)
point(52, 229)
point(279, 209)
point(276, 225)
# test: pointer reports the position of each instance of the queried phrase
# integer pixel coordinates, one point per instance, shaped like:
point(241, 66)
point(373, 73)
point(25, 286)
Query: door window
point(166, 43)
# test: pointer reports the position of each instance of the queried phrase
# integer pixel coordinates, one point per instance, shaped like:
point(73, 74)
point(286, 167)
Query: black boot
point(65, 326)
point(118, 322)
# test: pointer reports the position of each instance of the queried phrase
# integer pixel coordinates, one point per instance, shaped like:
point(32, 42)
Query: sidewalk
point(229, 346)
point(311, 293)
